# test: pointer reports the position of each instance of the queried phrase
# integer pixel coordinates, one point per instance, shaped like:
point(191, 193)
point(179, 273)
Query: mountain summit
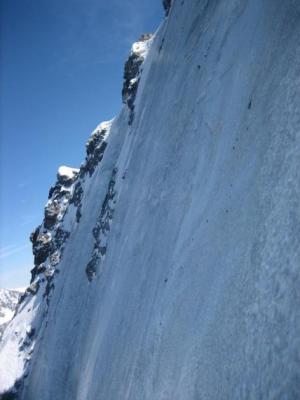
point(167, 265)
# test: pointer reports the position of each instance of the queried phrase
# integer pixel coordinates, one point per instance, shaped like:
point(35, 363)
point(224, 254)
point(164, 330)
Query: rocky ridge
point(133, 70)
point(49, 239)
point(65, 197)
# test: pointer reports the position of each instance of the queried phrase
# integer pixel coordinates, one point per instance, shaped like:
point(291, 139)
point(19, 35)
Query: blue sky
point(60, 75)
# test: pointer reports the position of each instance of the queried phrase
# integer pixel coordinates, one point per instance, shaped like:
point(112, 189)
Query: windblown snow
point(167, 266)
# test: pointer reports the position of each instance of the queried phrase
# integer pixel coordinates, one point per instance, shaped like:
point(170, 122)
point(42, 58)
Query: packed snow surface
point(67, 172)
point(190, 226)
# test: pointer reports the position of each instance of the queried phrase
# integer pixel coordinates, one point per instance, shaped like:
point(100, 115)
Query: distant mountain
point(8, 302)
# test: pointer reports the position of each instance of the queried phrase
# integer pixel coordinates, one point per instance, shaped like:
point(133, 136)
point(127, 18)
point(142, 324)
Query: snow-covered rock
point(169, 266)
point(66, 174)
point(133, 70)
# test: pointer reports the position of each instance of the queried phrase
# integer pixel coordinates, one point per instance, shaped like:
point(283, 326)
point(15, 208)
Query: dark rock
point(131, 82)
point(42, 248)
point(167, 6)
point(34, 235)
point(49, 287)
point(76, 199)
point(102, 250)
point(95, 148)
point(132, 71)
point(77, 195)
point(40, 269)
point(161, 45)
point(10, 395)
point(96, 159)
point(91, 268)
point(55, 258)
point(51, 191)
point(94, 141)
point(31, 333)
point(52, 211)
point(60, 238)
point(41, 254)
point(78, 214)
point(102, 228)
point(33, 288)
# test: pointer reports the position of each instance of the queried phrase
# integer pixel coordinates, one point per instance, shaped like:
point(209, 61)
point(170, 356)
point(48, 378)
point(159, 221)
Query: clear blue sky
point(60, 75)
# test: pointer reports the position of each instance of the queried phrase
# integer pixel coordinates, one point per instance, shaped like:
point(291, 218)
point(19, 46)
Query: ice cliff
point(168, 265)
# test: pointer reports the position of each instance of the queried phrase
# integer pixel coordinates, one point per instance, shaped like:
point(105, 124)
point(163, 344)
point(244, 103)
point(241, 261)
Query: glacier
point(168, 266)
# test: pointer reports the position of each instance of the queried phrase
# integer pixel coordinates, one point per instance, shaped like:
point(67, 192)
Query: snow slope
point(180, 280)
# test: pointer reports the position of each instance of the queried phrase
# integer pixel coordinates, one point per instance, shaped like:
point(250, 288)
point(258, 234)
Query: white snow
point(142, 47)
point(104, 126)
point(12, 359)
point(67, 172)
point(19, 289)
point(6, 316)
point(8, 301)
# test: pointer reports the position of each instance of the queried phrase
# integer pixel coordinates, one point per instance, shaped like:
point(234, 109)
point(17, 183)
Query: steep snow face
point(180, 279)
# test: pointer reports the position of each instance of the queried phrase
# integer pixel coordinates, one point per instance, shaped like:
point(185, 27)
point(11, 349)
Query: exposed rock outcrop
point(95, 148)
point(133, 70)
point(167, 6)
point(102, 228)
point(49, 239)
